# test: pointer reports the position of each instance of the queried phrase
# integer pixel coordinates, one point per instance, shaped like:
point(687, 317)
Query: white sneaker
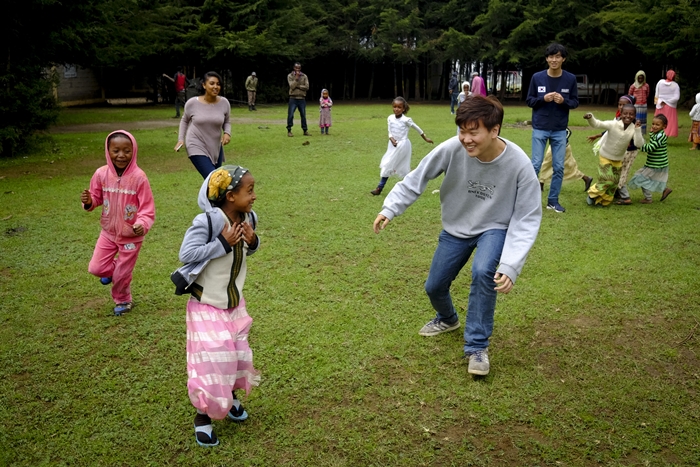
point(436, 326)
point(479, 363)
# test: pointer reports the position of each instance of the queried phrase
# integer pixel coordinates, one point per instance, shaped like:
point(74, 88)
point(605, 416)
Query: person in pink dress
point(666, 99)
point(640, 90)
point(478, 87)
point(215, 248)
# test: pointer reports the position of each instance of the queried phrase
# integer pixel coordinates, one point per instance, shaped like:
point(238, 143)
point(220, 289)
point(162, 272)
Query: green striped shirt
point(657, 150)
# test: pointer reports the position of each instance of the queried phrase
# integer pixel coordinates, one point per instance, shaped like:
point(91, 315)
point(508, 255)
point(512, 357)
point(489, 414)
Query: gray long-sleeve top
point(478, 196)
point(201, 126)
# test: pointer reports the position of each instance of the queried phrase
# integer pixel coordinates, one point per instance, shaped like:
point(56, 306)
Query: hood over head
point(636, 83)
point(217, 183)
point(135, 149)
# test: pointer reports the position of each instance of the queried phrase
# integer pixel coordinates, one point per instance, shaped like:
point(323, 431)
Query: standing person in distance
point(552, 93)
point(298, 86)
point(180, 82)
point(478, 86)
point(397, 158)
point(453, 89)
point(325, 103)
point(490, 203)
point(668, 93)
point(202, 124)
point(251, 85)
point(640, 91)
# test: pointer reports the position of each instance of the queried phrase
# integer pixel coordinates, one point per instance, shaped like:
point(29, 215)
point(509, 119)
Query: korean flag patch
point(541, 89)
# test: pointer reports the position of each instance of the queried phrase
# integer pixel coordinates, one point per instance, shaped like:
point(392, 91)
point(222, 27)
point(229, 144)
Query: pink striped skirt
point(219, 358)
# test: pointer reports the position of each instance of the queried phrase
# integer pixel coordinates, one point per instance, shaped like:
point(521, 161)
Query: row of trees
point(356, 48)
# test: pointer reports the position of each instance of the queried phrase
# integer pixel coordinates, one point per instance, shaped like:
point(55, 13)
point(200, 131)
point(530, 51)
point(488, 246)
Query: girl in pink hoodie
point(128, 213)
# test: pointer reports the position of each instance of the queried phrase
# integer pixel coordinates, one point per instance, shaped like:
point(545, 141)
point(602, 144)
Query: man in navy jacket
point(551, 94)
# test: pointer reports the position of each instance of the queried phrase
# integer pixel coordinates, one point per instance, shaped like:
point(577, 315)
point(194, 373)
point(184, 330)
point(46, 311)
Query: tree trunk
point(354, 79)
point(371, 83)
point(417, 83)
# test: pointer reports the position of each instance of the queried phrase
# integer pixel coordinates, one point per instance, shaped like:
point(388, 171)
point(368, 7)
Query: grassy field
point(594, 355)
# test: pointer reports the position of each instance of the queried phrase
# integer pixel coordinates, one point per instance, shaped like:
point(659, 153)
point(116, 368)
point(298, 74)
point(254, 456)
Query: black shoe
point(254, 107)
point(306, 133)
point(587, 180)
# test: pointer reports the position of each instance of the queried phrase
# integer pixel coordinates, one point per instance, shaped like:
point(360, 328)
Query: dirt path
point(148, 125)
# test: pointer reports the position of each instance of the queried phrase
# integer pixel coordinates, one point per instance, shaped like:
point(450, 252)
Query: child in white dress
point(397, 158)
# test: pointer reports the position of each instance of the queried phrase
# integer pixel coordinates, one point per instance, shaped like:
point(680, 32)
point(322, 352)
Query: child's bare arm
point(427, 140)
point(86, 199)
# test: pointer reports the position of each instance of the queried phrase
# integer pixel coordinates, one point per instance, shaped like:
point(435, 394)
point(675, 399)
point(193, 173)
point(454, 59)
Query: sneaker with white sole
point(479, 362)
point(556, 207)
point(437, 326)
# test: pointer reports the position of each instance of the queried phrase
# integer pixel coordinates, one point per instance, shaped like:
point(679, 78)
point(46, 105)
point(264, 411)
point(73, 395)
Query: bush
point(27, 104)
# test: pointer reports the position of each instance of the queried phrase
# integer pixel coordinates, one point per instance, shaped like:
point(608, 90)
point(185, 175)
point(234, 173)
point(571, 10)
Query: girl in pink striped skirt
point(215, 247)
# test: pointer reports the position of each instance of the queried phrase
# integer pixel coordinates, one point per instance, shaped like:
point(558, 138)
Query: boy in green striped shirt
point(654, 175)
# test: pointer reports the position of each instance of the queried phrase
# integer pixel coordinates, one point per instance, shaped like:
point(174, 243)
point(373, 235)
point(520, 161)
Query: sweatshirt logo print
point(480, 190)
point(105, 207)
point(129, 212)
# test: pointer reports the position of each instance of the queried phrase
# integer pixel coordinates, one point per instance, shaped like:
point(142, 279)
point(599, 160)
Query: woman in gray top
point(201, 126)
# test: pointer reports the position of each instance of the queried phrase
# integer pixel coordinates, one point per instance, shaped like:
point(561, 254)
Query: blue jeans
point(203, 163)
point(453, 99)
point(293, 105)
point(557, 139)
point(451, 255)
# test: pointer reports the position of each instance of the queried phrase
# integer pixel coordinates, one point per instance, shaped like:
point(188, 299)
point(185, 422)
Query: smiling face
point(628, 114)
point(212, 87)
point(120, 152)
point(398, 108)
point(657, 125)
point(555, 61)
point(479, 141)
point(243, 197)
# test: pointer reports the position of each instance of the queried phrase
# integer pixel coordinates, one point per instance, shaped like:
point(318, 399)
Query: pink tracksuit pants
point(116, 261)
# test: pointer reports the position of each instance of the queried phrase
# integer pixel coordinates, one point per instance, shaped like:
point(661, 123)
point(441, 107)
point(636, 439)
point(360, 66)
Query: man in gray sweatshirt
point(490, 200)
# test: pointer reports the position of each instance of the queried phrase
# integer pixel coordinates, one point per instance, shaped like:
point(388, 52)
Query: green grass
point(594, 353)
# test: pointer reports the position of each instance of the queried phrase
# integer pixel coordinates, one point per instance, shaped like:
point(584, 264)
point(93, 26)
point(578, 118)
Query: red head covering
point(670, 74)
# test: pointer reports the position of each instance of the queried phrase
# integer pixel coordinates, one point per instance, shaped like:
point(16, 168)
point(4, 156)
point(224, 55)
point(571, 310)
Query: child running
point(128, 213)
point(611, 153)
point(397, 158)
point(571, 170)
point(694, 136)
point(654, 175)
point(325, 119)
point(219, 359)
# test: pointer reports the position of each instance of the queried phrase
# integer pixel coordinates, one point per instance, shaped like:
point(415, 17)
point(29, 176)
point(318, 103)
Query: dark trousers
point(293, 105)
point(179, 101)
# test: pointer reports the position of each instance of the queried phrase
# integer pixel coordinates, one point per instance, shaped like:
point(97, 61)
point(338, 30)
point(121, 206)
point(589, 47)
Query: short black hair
point(554, 48)
point(118, 134)
point(212, 74)
point(403, 102)
point(661, 117)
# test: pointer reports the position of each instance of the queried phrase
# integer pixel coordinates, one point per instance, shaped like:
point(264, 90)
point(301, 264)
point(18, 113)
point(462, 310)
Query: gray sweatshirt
point(201, 126)
point(478, 196)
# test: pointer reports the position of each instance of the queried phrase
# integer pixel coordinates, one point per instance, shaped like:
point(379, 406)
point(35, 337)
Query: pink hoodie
point(125, 200)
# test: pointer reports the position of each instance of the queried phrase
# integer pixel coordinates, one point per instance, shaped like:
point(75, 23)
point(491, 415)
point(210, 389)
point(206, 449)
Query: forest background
point(358, 49)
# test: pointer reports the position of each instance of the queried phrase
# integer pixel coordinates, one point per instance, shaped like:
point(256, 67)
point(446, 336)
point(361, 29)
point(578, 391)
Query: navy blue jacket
point(550, 116)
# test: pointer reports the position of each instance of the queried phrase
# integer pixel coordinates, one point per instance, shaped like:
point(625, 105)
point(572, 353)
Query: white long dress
point(397, 160)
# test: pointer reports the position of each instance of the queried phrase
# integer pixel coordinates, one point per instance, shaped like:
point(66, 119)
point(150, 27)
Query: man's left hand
point(504, 283)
